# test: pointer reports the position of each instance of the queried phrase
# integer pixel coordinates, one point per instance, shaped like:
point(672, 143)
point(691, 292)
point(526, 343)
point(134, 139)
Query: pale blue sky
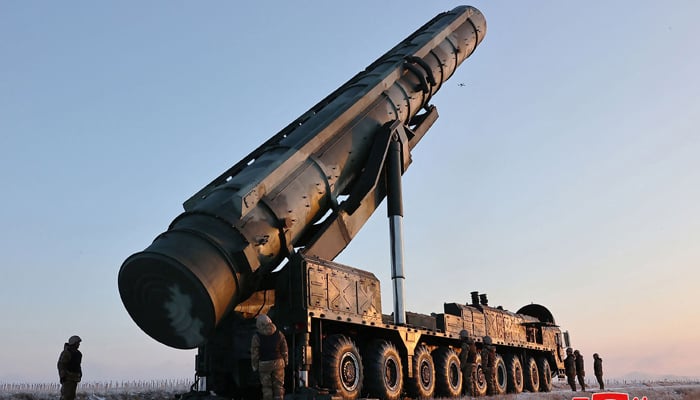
point(565, 172)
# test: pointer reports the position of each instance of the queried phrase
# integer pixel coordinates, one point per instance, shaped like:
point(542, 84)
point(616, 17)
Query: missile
point(246, 222)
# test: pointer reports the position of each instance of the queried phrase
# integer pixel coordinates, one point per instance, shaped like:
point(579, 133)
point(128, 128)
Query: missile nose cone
point(476, 18)
point(479, 22)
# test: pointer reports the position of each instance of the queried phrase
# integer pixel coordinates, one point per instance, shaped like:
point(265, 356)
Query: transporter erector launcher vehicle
point(261, 237)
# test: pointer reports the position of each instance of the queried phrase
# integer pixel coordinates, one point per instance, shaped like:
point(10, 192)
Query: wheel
point(342, 367)
point(545, 375)
point(515, 374)
point(501, 376)
point(448, 376)
point(482, 386)
point(384, 376)
point(532, 375)
point(423, 383)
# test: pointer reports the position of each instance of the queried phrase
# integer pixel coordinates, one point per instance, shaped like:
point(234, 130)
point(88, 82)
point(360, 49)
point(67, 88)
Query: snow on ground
point(652, 390)
point(167, 391)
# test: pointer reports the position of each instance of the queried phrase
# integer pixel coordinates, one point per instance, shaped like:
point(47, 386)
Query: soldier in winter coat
point(598, 370)
point(580, 372)
point(570, 368)
point(69, 369)
point(269, 356)
point(467, 360)
point(488, 364)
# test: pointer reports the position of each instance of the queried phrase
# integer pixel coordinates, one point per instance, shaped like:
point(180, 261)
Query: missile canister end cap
point(166, 300)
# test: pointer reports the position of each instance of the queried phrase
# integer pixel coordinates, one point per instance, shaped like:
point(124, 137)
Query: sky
point(564, 172)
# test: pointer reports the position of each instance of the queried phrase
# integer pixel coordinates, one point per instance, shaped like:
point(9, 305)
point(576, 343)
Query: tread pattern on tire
point(384, 374)
point(337, 351)
point(501, 376)
point(515, 374)
point(448, 375)
point(545, 375)
point(422, 385)
point(532, 375)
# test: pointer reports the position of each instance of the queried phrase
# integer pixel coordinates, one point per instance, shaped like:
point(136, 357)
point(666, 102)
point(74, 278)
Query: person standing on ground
point(488, 364)
point(580, 372)
point(598, 370)
point(269, 356)
point(570, 368)
point(467, 360)
point(69, 370)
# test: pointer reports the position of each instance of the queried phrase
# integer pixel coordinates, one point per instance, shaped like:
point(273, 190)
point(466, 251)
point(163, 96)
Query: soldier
point(598, 370)
point(570, 368)
point(488, 362)
point(269, 356)
point(69, 369)
point(580, 372)
point(467, 360)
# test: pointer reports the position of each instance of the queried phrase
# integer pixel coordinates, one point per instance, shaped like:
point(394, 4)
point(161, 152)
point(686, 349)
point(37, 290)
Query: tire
point(532, 376)
point(515, 374)
point(545, 375)
point(448, 376)
point(342, 367)
point(482, 386)
point(501, 379)
point(422, 385)
point(383, 372)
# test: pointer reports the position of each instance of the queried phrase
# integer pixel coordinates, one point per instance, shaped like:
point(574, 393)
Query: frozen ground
point(167, 391)
point(652, 390)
